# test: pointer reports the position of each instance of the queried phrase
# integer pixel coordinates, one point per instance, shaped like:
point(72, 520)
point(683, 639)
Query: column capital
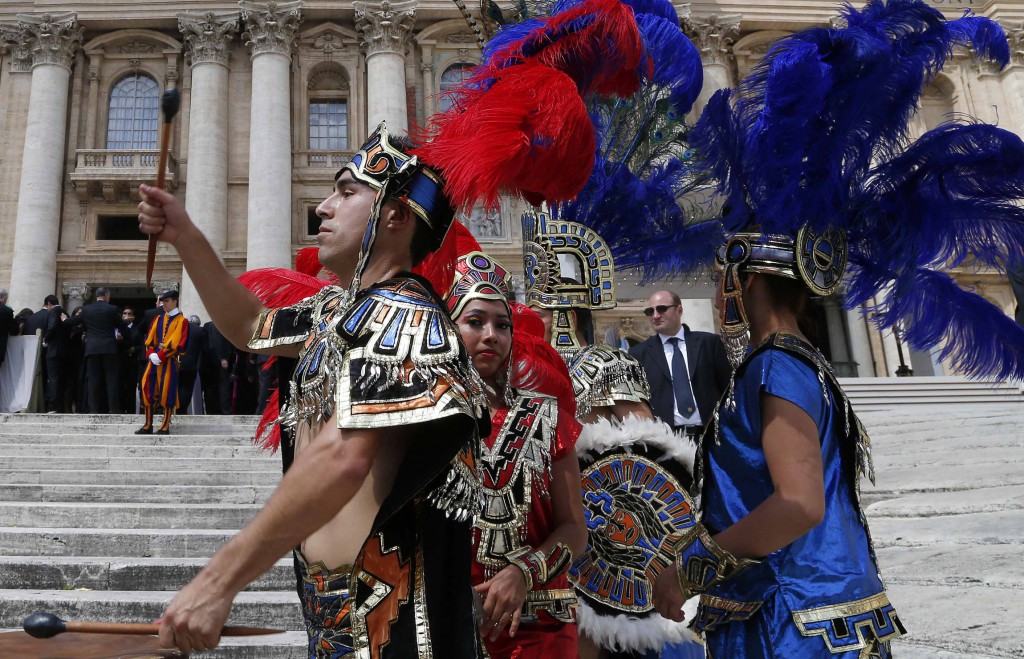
point(43, 39)
point(12, 37)
point(1016, 38)
point(208, 36)
point(385, 26)
point(161, 286)
point(713, 35)
point(270, 27)
point(75, 290)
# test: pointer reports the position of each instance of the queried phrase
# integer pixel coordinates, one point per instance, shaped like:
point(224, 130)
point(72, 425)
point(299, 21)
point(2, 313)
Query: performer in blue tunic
point(811, 156)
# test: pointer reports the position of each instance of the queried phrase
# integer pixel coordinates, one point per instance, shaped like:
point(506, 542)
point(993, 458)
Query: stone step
point(287, 645)
point(927, 383)
point(251, 463)
point(990, 528)
point(937, 504)
point(104, 450)
point(74, 437)
point(126, 515)
point(119, 420)
point(273, 609)
point(266, 476)
point(290, 645)
point(154, 543)
point(102, 573)
point(102, 492)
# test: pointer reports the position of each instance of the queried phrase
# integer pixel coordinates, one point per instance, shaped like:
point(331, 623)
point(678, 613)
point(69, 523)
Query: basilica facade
point(276, 96)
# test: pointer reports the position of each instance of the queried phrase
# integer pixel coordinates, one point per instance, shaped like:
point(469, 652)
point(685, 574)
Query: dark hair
point(794, 296)
point(51, 299)
point(676, 300)
point(24, 314)
point(101, 291)
point(128, 308)
point(423, 241)
point(585, 323)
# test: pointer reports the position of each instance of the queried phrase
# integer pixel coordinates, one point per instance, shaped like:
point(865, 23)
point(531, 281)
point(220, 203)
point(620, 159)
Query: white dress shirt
point(679, 419)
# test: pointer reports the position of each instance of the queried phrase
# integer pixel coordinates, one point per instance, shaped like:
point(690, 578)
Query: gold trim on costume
point(878, 604)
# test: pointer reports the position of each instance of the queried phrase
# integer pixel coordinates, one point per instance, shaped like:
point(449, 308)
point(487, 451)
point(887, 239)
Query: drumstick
point(46, 625)
point(169, 104)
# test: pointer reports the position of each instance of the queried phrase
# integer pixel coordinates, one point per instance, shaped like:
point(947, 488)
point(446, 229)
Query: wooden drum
point(19, 645)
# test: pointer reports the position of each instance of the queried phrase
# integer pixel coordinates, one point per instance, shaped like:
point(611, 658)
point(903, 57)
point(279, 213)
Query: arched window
point(328, 109)
point(134, 115)
point(452, 78)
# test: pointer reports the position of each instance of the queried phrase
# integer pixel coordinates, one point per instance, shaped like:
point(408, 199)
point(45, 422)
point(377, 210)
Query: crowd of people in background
point(93, 359)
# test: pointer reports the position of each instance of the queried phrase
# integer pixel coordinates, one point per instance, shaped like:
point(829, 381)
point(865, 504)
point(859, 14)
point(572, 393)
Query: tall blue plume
point(817, 136)
point(638, 196)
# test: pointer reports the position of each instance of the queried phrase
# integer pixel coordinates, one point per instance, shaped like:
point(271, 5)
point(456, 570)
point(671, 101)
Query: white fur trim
point(603, 435)
point(623, 632)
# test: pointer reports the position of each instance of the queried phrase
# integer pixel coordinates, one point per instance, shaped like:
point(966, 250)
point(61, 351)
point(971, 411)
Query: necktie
point(681, 380)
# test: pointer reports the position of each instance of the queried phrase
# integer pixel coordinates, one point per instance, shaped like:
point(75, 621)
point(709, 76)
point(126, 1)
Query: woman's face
point(486, 329)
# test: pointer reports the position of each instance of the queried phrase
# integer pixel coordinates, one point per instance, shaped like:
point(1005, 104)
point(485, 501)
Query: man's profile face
point(665, 322)
point(169, 304)
point(343, 217)
point(546, 315)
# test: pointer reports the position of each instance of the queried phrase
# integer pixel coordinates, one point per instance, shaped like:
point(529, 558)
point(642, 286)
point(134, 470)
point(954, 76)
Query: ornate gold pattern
point(602, 376)
point(867, 622)
point(519, 461)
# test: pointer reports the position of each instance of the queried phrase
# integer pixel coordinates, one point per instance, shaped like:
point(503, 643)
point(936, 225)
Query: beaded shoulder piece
point(602, 375)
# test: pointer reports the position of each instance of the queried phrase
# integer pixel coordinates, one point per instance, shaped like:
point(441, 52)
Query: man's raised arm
point(234, 310)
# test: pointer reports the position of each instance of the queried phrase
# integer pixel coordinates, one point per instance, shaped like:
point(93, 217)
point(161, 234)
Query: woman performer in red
point(533, 522)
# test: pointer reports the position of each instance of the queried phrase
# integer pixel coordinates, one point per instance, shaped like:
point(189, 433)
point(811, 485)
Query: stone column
point(209, 38)
point(385, 29)
point(1012, 79)
point(836, 332)
point(860, 344)
point(94, 95)
point(75, 295)
point(52, 41)
point(714, 36)
point(269, 33)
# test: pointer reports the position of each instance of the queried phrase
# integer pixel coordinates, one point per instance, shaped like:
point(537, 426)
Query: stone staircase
point(99, 524)
point(872, 394)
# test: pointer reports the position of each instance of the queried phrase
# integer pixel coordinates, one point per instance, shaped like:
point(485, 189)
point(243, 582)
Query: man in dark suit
point(189, 364)
point(687, 370)
point(7, 324)
point(131, 351)
point(54, 339)
point(103, 332)
point(220, 358)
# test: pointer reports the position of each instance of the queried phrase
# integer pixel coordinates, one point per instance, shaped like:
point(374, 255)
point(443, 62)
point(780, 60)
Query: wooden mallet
point(46, 625)
point(170, 102)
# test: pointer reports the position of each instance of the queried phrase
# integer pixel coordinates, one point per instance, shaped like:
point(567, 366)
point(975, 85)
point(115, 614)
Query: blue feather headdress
point(815, 140)
point(639, 196)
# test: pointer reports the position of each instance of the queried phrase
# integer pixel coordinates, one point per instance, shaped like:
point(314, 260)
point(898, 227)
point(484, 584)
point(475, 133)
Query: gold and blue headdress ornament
point(629, 208)
point(478, 277)
point(812, 157)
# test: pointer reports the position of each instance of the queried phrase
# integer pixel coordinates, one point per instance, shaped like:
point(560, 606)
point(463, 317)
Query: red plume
point(526, 321)
point(439, 266)
point(280, 287)
point(538, 367)
point(528, 134)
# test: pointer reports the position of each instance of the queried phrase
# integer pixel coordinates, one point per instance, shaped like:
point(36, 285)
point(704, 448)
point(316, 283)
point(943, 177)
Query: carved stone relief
point(270, 27)
point(208, 36)
point(385, 27)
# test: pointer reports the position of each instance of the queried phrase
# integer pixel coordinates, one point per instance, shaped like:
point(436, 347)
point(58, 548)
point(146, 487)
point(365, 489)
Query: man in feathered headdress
point(821, 186)
point(382, 401)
